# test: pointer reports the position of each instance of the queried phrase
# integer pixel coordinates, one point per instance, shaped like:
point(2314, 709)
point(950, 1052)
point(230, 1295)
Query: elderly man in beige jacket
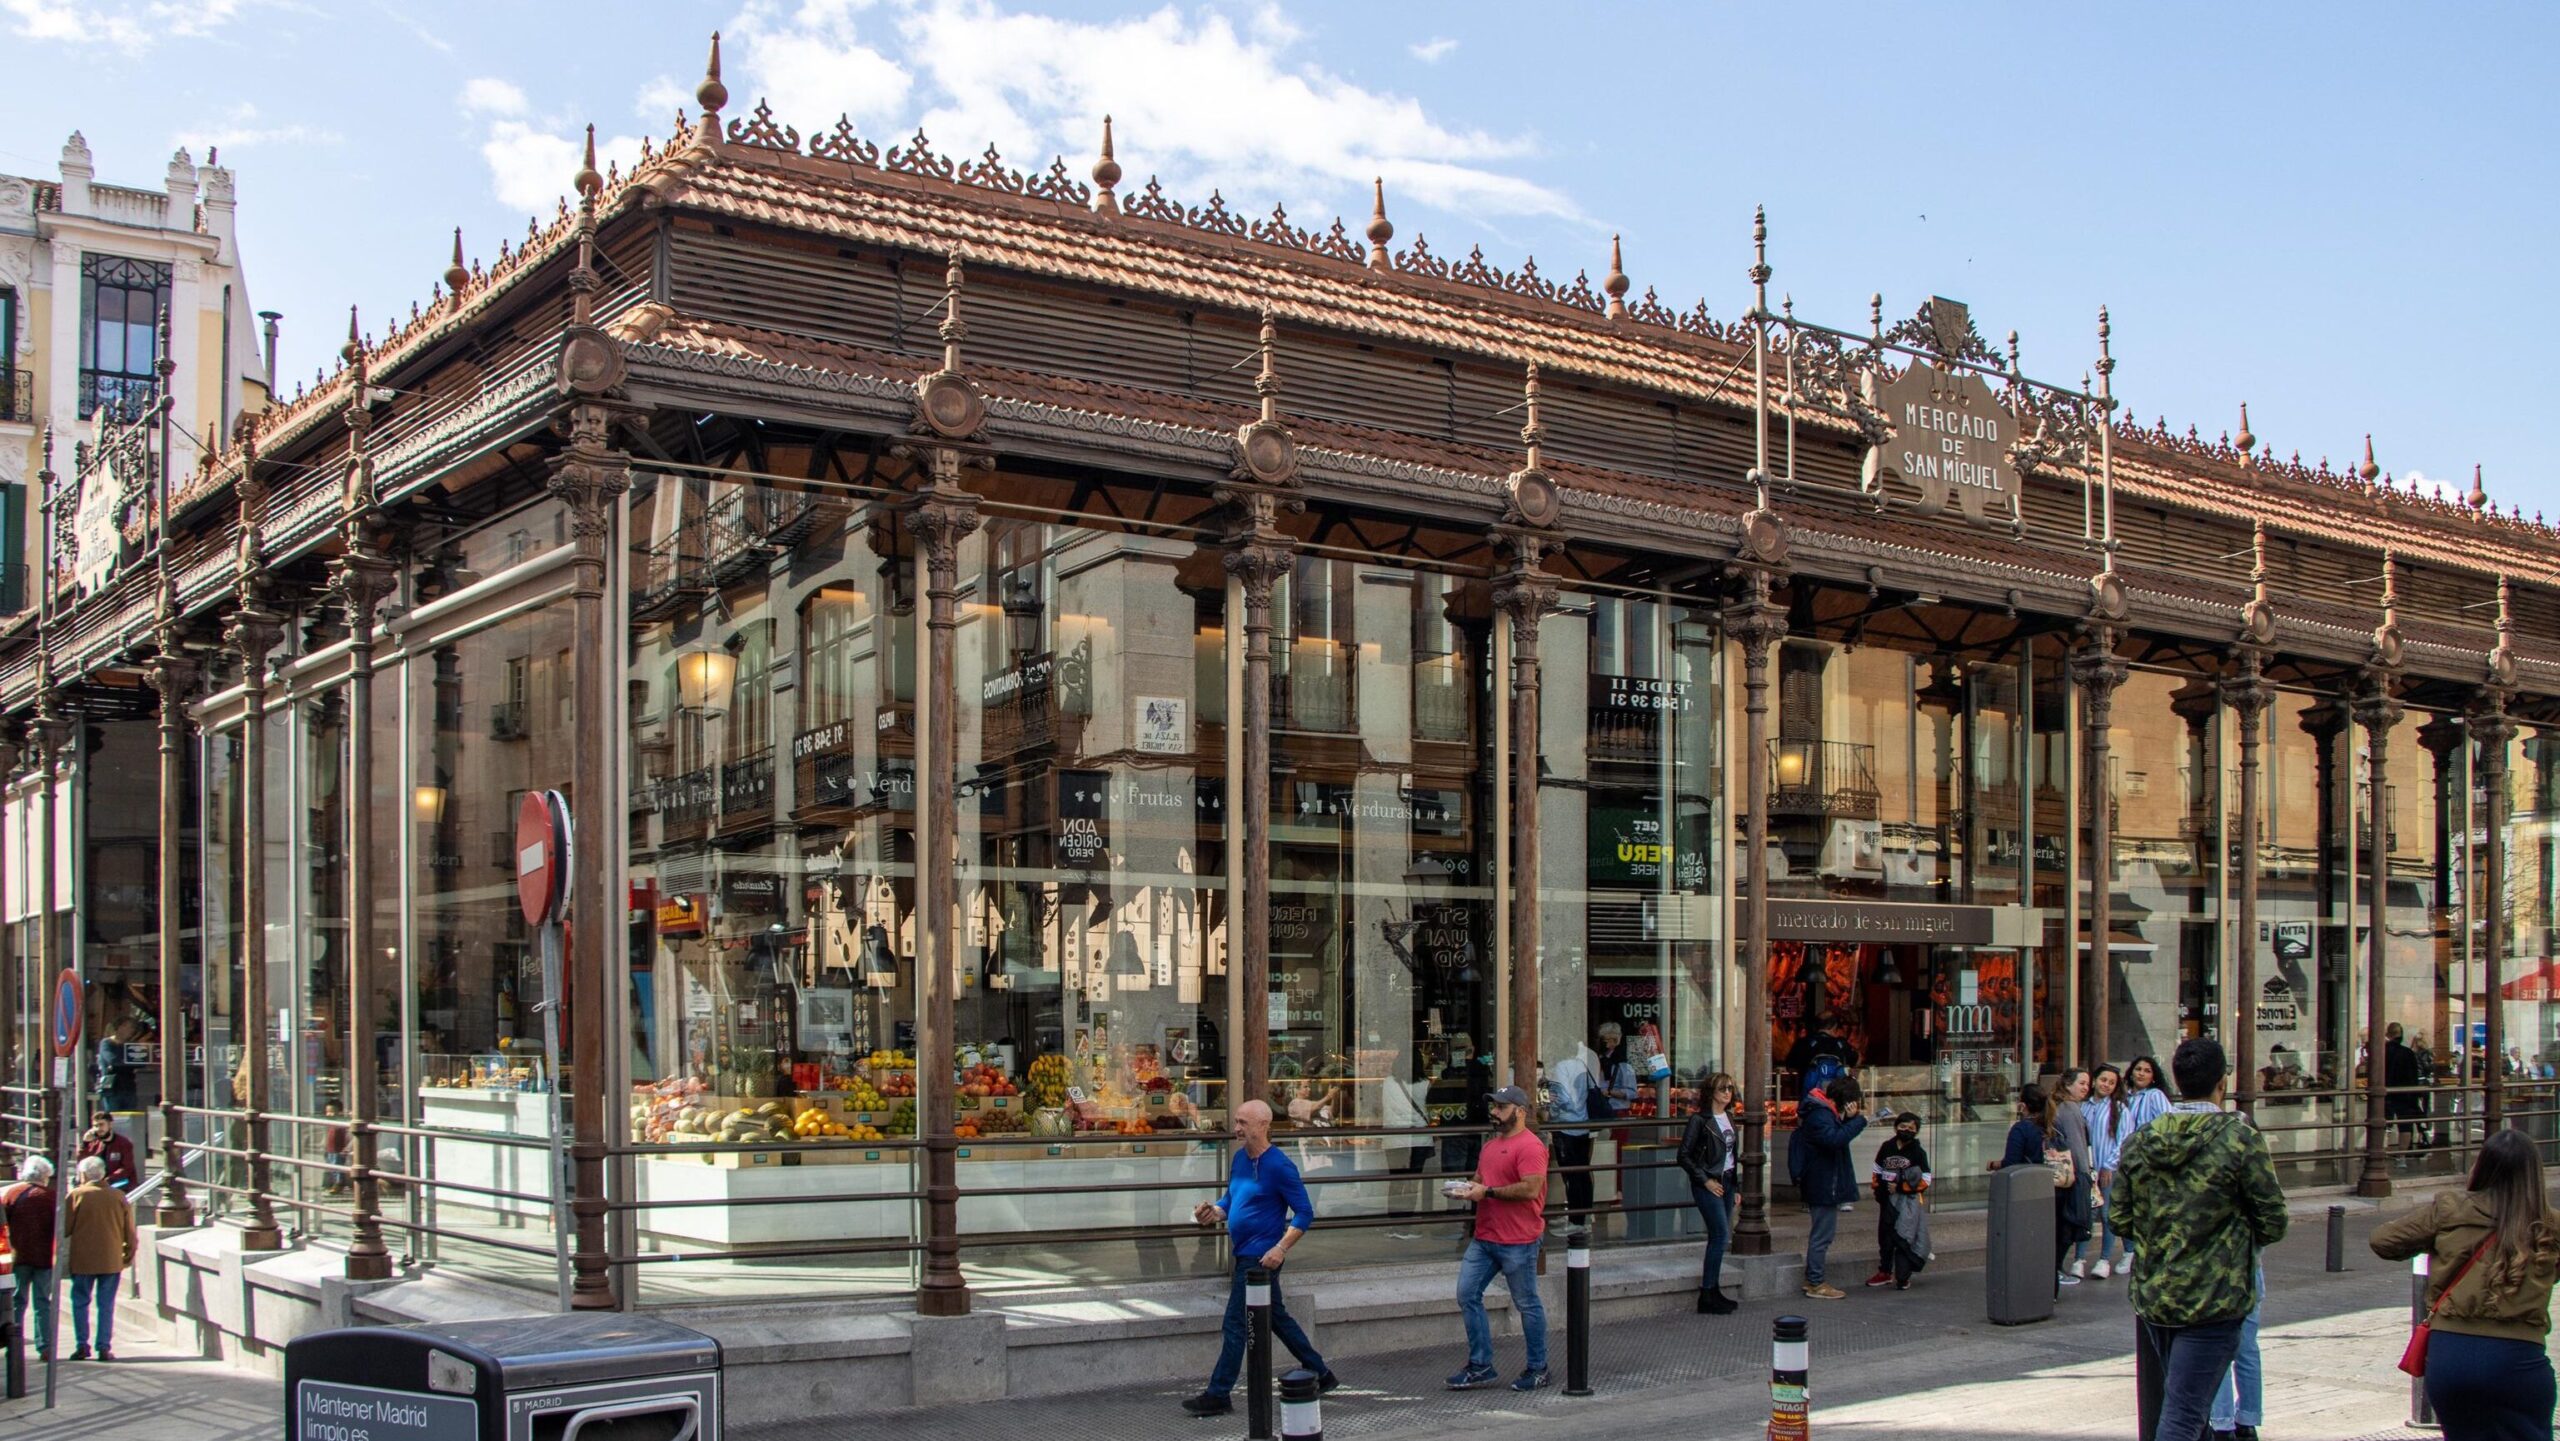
point(98, 1240)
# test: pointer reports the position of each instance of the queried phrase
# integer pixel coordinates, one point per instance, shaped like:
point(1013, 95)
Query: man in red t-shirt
point(1510, 1195)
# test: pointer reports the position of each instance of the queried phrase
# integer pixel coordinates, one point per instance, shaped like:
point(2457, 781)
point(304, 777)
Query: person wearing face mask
point(1900, 1181)
point(1265, 1209)
point(1510, 1196)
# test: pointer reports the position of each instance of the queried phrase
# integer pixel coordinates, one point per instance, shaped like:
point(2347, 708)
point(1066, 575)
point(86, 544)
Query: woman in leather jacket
point(1709, 1154)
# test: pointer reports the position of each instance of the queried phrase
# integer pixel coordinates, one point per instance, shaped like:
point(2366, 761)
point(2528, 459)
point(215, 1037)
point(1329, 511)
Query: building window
point(17, 387)
point(120, 304)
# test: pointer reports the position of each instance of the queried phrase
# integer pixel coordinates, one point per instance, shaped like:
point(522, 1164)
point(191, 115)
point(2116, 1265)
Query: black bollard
point(1301, 1406)
point(1577, 1313)
point(1790, 1383)
point(2337, 1238)
point(1257, 1363)
point(13, 1362)
point(2421, 1413)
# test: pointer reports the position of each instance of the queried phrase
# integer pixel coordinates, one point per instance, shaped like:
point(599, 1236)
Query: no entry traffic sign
point(542, 854)
point(66, 1013)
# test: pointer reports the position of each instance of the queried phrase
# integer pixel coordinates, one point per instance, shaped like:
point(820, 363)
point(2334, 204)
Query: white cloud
point(531, 163)
point(489, 95)
point(2449, 491)
point(805, 60)
point(238, 128)
point(659, 102)
point(1433, 50)
point(123, 26)
point(1194, 101)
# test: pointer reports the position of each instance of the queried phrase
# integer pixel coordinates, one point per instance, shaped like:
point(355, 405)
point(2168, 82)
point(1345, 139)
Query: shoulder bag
point(2414, 1359)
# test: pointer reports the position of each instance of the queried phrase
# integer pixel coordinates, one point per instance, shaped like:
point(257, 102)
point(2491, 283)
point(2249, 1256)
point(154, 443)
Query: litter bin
point(600, 1377)
point(2017, 1263)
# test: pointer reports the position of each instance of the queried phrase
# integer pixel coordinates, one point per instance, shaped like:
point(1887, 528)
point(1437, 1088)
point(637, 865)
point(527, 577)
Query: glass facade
point(1924, 762)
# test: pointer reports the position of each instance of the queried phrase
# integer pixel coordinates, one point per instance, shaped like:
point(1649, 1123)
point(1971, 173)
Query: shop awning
point(2539, 981)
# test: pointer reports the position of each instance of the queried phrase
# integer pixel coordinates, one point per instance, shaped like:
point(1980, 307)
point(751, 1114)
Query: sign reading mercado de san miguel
point(1951, 438)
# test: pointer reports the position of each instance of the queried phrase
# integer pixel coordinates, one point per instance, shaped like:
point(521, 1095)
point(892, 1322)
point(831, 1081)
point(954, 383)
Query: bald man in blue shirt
point(1265, 1209)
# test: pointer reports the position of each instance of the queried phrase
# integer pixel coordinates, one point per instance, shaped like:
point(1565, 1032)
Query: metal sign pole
point(552, 1109)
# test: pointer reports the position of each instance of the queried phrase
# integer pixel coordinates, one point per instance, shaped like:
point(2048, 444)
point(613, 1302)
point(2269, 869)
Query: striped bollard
point(1790, 1394)
point(1577, 1313)
point(1301, 1406)
point(2421, 1412)
point(1257, 1365)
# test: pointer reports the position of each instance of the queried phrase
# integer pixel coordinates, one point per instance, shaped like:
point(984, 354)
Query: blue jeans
point(2489, 1388)
point(2106, 1236)
point(1717, 1211)
point(2176, 1370)
point(1817, 1242)
point(35, 1282)
point(2241, 1400)
point(1238, 1332)
point(104, 1289)
point(1518, 1266)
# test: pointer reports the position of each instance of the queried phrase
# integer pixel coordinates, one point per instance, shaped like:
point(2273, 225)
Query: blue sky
point(2341, 214)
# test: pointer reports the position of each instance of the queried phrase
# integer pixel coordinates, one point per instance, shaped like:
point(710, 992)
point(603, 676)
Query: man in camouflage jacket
point(2197, 1199)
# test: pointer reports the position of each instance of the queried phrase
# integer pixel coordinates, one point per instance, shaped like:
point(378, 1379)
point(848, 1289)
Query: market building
point(1030, 663)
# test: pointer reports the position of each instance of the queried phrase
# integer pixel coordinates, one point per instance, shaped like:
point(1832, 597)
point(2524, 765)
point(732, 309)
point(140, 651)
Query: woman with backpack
point(2494, 1252)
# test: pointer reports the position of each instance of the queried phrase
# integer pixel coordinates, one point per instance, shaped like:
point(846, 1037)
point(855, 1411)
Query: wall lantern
point(428, 802)
point(705, 679)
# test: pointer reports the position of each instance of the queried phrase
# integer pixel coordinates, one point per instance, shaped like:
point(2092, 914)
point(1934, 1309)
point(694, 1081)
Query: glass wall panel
point(770, 680)
point(2165, 785)
point(488, 723)
point(1381, 894)
point(1631, 914)
point(2529, 984)
point(225, 1030)
point(2420, 916)
point(1094, 916)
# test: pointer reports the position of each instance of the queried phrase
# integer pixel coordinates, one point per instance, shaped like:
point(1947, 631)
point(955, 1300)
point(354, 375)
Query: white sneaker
point(2067, 1279)
point(2100, 1271)
point(2080, 1268)
point(2127, 1268)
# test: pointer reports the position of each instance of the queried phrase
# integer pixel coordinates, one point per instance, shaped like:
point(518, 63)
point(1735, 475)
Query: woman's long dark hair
point(2525, 1230)
point(2159, 1076)
point(2039, 1105)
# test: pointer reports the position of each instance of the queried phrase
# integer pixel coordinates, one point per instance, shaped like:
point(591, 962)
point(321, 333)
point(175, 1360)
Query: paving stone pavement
point(1921, 1363)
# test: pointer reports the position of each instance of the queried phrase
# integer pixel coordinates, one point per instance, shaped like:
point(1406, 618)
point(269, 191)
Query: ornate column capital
point(1259, 552)
point(1525, 594)
point(2492, 727)
point(940, 518)
point(2096, 670)
point(589, 474)
point(2246, 690)
point(2374, 707)
point(1754, 619)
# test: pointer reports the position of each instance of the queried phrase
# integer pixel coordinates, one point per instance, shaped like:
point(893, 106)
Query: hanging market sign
point(1951, 442)
point(1084, 809)
point(1879, 921)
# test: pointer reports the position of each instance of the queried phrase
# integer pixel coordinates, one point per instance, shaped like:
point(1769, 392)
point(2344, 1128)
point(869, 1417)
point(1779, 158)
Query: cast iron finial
point(1380, 231)
point(2478, 499)
point(2013, 353)
point(1106, 174)
point(2106, 345)
point(2244, 440)
point(1617, 284)
point(2368, 470)
point(711, 94)
point(1532, 433)
point(1760, 271)
point(953, 330)
point(588, 180)
point(1266, 383)
point(455, 277)
point(353, 350)
point(2258, 558)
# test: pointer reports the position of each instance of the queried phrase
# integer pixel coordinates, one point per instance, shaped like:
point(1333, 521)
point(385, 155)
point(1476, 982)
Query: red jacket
point(29, 1208)
point(117, 1152)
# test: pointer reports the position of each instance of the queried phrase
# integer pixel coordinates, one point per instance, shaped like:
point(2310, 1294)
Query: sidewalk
point(1920, 1363)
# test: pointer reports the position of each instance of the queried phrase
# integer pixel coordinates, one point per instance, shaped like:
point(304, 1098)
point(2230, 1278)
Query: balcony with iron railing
point(18, 397)
point(1312, 690)
point(510, 721)
point(122, 398)
point(1830, 779)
